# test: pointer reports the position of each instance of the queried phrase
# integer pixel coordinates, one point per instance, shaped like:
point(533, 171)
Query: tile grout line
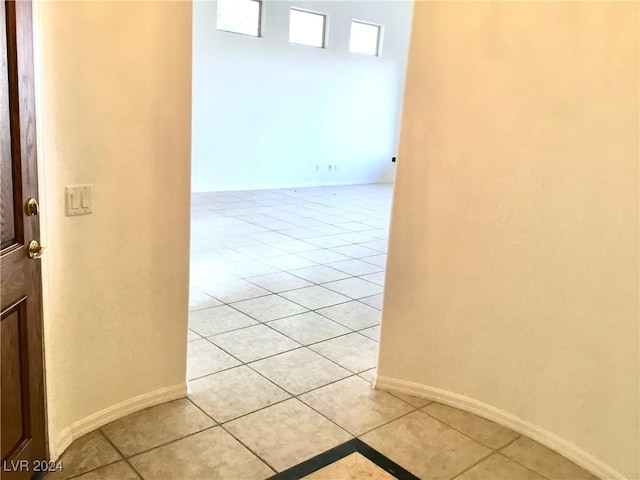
point(351, 330)
point(493, 449)
point(275, 355)
point(294, 226)
point(480, 460)
point(316, 310)
point(290, 272)
point(301, 345)
point(429, 402)
point(493, 452)
point(217, 424)
point(120, 453)
point(499, 452)
point(414, 409)
point(169, 442)
point(273, 469)
point(279, 353)
point(296, 397)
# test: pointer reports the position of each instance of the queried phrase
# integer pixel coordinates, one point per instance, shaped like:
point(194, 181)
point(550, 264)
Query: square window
point(365, 38)
point(307, 28)
point(240, 16)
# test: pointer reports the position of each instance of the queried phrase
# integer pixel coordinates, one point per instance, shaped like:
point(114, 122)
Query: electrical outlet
point(335, 168)
point(317, 168)
point(330, 167)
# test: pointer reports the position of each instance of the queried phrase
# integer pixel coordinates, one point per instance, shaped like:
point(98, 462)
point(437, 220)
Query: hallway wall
point(115, 111)
point(266, 112)
point(512, 284)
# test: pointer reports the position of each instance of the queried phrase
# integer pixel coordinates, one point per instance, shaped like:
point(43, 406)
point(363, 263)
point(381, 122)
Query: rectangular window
point(240, 16)
point(307, 28)
point(365, 38)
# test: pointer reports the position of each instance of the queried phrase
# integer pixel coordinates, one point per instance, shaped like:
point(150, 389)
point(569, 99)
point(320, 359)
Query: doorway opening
point(292, 181)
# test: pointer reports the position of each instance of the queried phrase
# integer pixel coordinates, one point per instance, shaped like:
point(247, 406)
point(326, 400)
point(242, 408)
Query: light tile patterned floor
point(284, 323)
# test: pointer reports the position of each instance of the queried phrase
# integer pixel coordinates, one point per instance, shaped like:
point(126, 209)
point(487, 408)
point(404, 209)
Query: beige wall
point(513, 263)
point(115, 97)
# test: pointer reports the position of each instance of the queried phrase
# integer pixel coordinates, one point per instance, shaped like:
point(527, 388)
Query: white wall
point(512, 286)
point(114, 111)
point(265, 111)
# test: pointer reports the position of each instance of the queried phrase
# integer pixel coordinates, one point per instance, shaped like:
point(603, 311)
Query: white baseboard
point(295, 185)
point(115, 412)
point(540, 435)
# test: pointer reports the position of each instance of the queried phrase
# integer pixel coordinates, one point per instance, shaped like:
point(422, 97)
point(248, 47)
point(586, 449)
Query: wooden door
point(22, 424)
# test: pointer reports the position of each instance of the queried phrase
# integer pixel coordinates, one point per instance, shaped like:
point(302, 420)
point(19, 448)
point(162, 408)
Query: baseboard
point(296, 185)
point(540, 435)
point(115, 412)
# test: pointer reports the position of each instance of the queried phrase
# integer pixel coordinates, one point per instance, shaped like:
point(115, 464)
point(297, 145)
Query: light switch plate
point(78, 200)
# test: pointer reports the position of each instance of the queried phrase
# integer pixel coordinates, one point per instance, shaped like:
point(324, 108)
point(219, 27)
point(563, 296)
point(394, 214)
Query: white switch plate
point(78, 200)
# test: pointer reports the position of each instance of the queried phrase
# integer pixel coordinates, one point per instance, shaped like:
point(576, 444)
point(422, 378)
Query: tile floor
point(284, 323)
